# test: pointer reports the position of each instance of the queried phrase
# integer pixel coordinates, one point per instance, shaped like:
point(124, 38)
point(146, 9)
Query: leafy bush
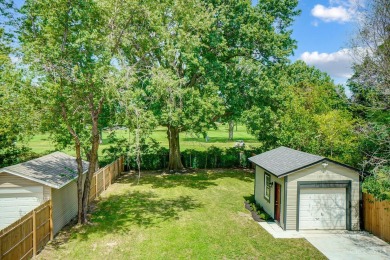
point(13, 154)
point(258, 208)
point(155, 157)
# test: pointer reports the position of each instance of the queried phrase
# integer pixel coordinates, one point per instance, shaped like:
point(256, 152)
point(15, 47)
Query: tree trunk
point(93, 154)
point(231, 129)
point(80, 171)
point(79, 162)
point(93, 162)
point(175, 163)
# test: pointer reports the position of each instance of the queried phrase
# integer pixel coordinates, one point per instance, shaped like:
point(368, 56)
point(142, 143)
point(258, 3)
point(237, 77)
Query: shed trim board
point(324, 185)
point(323, 160)
point(285, 202)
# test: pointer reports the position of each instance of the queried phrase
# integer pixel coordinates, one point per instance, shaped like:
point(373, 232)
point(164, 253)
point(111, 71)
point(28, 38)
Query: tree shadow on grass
point(119, 213)
point(201, 179)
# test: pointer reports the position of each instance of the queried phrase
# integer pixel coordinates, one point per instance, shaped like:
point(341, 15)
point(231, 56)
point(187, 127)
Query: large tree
point(182, 97)
point(247, 39)
point(69, 48)
point(370, 86)
point(370, 83)
point(300, 107)
point(202, 66)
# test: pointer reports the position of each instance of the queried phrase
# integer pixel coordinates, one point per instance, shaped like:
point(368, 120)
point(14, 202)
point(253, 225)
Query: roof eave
point(300, 168)
point(265, 169)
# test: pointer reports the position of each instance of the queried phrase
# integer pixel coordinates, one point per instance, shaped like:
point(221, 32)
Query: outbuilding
point(306, 191)
point(27, 185)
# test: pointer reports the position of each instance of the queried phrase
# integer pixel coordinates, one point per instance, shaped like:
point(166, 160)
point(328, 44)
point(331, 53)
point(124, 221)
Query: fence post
point(96, 185)
point(104, 179)
point(51, 219)
point(34, 234)
point(109, 176)
point(120, 164)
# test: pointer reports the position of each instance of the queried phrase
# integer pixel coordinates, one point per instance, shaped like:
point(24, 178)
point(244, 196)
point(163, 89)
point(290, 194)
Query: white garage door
point(322, 208)
point(16, 202)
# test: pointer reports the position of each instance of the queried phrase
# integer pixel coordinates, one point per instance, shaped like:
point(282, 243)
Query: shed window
point(267, 186)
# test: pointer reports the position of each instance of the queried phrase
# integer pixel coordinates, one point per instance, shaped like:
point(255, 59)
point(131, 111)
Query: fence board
point(100, 182)
point(92, 191)
point(376, 216)
point(27, 235)
point(107, 178)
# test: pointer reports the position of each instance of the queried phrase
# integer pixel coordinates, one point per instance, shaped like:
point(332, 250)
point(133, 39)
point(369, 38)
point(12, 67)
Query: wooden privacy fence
point(376, 217)
point(104, 177)
point(28, 235)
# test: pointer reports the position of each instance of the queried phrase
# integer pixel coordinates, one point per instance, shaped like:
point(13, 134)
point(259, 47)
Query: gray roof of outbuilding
point(54, 170)
point(283, 160)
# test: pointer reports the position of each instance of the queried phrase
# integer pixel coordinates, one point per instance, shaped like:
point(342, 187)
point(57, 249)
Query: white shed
point(306, 191)
point(25, 186)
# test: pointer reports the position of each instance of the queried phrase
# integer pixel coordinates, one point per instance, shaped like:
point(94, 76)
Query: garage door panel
point(16, 202)
point(322, 208)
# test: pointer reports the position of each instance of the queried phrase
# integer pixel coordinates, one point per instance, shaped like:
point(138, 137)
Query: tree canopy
point(303, 110)
point(370, 86)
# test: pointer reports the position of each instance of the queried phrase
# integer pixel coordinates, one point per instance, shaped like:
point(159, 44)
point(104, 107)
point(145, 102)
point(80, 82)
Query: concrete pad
point(277, 232)
point(337, 244)
point(348, 244)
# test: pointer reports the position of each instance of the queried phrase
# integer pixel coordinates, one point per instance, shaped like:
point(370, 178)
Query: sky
point(323, 32)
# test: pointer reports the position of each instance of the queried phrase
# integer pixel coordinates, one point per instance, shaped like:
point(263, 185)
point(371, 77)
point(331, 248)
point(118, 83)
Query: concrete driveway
point(348, 244)
point(337, 244)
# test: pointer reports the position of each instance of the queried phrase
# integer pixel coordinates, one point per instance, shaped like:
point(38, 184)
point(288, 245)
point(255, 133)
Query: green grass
point(191, 216)
point(41, 143)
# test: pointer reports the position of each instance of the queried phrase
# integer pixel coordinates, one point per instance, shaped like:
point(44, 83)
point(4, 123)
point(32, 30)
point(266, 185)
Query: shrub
point(155, 157)
point(258, 208)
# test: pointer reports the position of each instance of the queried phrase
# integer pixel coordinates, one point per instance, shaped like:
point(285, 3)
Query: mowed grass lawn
point(190, 216)
point(41, 143)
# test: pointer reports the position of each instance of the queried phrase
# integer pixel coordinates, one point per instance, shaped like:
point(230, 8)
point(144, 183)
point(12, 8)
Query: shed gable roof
point(54, 170)
point(283, 160)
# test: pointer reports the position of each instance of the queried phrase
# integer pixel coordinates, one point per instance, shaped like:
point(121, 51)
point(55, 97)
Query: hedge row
point(213, 157)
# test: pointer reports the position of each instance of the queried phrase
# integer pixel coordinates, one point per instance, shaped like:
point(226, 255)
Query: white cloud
point(338, 11)
point(337, 64)
point(331, 14)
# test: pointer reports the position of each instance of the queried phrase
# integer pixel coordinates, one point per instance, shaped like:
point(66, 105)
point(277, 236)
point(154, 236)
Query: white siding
point(8, 181)
point(64, 205)
point(269, 207)
point(317, 173)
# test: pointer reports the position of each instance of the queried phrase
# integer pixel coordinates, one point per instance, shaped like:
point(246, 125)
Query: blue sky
point(323, 31)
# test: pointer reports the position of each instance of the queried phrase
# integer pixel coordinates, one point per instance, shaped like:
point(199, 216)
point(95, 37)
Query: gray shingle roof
point(55, 170)
point(283, 160)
